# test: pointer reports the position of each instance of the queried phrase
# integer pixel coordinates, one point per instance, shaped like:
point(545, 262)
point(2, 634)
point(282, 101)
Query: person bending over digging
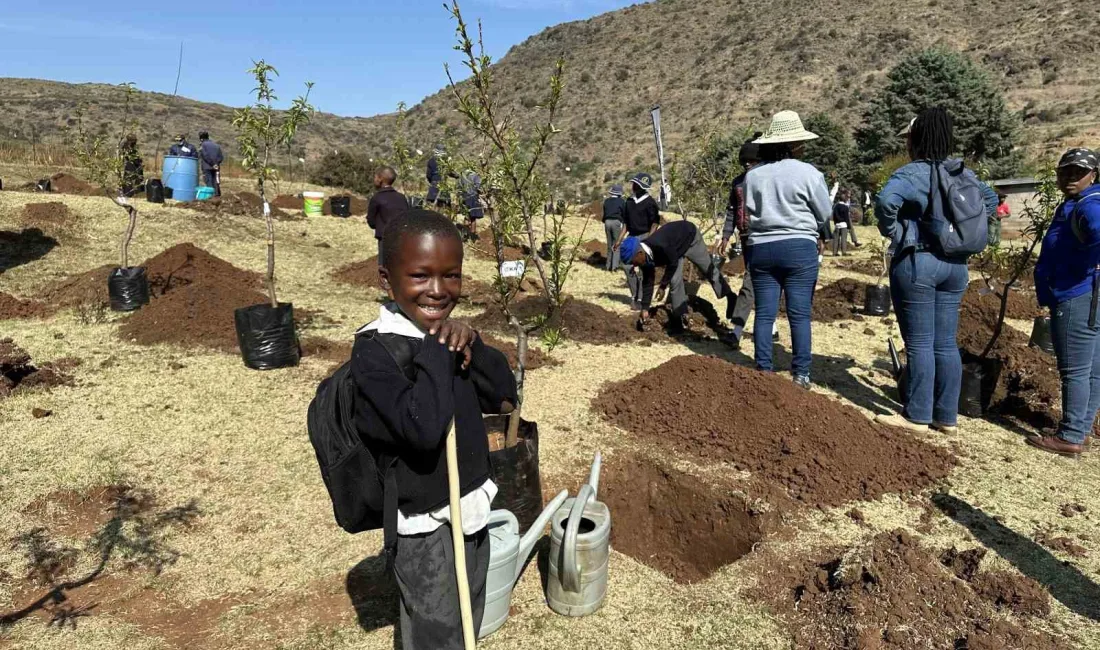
point(1067, 281)
point(642, 218)
point(668, 247)
point(404, 414)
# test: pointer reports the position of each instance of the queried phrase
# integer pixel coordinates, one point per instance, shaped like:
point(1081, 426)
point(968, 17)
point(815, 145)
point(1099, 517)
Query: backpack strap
point(401, 349)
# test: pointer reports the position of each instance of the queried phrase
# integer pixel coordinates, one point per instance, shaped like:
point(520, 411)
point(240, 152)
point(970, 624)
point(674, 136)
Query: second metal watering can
point(508, 554)
point(580, 546)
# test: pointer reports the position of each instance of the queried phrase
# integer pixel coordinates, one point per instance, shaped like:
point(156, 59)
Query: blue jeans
point(1077, 347)
point(926, 292)
point(791, 266)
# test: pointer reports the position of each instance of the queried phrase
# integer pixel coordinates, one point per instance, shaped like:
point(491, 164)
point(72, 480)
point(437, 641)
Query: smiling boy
point(404, 412)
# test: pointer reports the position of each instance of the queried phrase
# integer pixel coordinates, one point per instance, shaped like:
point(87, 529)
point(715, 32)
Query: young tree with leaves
point(104, 158)
point(261, 131)
point(1003, 265)
point(515, 194)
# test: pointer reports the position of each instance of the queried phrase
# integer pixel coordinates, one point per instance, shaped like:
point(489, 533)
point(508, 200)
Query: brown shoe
point(1055, 445)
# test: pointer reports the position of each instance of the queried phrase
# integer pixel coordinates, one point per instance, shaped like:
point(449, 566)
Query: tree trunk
point(1016, 273)
point(127, 237)
point(269, 279)
point(511, 437)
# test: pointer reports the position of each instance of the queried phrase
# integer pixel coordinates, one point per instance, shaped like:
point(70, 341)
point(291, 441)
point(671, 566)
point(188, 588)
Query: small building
point(1019, 191)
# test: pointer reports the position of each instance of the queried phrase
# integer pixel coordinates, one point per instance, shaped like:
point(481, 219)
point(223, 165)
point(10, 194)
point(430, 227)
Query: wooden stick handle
point(468, 638)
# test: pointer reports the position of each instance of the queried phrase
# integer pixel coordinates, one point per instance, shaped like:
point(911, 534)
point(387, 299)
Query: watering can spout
point(594, 474)
point(895, 361)
point(534, 533)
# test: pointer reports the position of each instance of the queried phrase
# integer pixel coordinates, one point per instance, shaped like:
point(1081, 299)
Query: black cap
point(203, 135)
point(1079, 157)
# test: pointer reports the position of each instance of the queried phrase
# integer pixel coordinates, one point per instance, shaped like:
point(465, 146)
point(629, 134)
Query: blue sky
point(365, 57)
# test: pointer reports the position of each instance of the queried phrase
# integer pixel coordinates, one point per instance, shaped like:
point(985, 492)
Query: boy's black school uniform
point(641, 215)
point(407, 420)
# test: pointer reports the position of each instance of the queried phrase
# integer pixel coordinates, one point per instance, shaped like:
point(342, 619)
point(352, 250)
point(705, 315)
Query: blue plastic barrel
point(182, 175)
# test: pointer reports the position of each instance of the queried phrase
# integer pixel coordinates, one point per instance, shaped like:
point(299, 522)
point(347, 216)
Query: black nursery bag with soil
point(128, 289)
point(267, 337)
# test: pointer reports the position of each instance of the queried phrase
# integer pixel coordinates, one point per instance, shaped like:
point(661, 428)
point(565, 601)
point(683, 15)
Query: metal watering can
point(508, 554)
point(580, 545)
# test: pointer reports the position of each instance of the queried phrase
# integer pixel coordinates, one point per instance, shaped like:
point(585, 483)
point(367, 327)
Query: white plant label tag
point(267, 209)
point(122, 200)
point(513, 269)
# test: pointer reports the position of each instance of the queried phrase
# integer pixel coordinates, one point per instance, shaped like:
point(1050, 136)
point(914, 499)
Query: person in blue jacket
point(926, 288)
point(1067, 281)
point(211, 159)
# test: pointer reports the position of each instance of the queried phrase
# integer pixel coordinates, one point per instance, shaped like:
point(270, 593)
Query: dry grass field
point(174, 493)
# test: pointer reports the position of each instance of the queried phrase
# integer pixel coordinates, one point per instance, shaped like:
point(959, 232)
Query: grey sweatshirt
point(786, 200)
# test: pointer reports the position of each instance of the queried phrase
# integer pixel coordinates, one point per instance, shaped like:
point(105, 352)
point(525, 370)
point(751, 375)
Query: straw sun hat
point(786, 126)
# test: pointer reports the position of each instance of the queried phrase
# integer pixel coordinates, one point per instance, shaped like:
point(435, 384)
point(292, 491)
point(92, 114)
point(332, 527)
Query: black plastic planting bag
point(876, 300)
point(128, 289)
point(516, 472)
point(266, 336)
point(154, 191)
point(979, 381)
point(341, 206)
point(1040, 335)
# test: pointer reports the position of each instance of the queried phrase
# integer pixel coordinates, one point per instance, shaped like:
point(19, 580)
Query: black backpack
point(364, 497)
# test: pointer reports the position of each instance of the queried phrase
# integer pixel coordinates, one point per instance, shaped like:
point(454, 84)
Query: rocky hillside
point(710, 65)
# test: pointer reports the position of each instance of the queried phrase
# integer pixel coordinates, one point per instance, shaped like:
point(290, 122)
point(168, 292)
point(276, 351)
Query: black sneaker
point(802, 381)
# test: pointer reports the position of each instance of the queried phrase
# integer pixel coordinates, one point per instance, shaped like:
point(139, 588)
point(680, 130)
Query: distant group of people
point(209, 154)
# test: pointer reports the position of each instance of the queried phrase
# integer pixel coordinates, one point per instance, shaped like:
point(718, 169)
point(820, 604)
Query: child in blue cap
point(668, 247)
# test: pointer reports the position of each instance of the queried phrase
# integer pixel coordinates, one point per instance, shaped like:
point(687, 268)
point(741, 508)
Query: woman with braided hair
point(926, 286)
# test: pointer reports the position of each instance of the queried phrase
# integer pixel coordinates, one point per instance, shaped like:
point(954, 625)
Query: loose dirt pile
point(1022, 305)
point(676, 523)
point(736, 266)
point(240, 204)
point(16, 308)
point(820, 451)
point(861, 266)
point(536, 358)
point(288, 202)
point(839, 301)
point(17, 373)
point(890, 593)
point(52, 217)
point(581, 321)
point(486, 250)
point(594, 253)
point(1028, 386)
point(194, 295)
point(360, 274)
point(63, 183)
point(87, 288)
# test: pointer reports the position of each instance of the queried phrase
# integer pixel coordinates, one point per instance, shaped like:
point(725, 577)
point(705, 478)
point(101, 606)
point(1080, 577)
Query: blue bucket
point(181, 173)
point(204, 193)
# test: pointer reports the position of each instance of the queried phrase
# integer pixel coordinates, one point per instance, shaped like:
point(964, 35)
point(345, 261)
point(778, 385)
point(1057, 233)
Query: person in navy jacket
point(1067, 281)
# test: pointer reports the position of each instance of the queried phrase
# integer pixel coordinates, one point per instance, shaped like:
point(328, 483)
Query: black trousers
point(425, 571)
point(211, 178)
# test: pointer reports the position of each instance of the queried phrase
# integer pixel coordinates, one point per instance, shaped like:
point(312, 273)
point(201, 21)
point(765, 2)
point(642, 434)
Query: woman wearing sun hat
point(1067, 280)
point(788, 209)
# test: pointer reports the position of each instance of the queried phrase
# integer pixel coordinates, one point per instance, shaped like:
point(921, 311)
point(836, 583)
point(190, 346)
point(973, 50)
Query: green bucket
point(313, 203)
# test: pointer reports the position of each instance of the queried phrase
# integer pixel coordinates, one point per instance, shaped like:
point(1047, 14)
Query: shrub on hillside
point(985, 129)
point(346, 170)
point(834, 152)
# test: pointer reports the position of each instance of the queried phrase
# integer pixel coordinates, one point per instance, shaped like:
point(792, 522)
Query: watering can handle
point(594, 475)
point(570, 572)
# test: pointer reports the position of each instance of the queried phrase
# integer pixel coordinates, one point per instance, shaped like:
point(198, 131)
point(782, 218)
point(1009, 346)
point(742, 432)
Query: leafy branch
point(260, 132)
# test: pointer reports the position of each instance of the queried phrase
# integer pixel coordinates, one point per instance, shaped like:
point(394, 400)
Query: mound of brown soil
point(890, 594)
point(17, 373)
point(84, 288)
point(241, 204)
point(839, 300)
point(1022, 305)
point(736, 266)
point(486, 250)
point(68, 184)
point(360, 274)
point(287, 202)
point(861, 266)
point(15, 308)
point(820, 451)
point(1028, 387)
point(594, 253)
point(675, 522)
point(536, 358)
point(194, 295)
point(51, 216)
point(580, 321)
